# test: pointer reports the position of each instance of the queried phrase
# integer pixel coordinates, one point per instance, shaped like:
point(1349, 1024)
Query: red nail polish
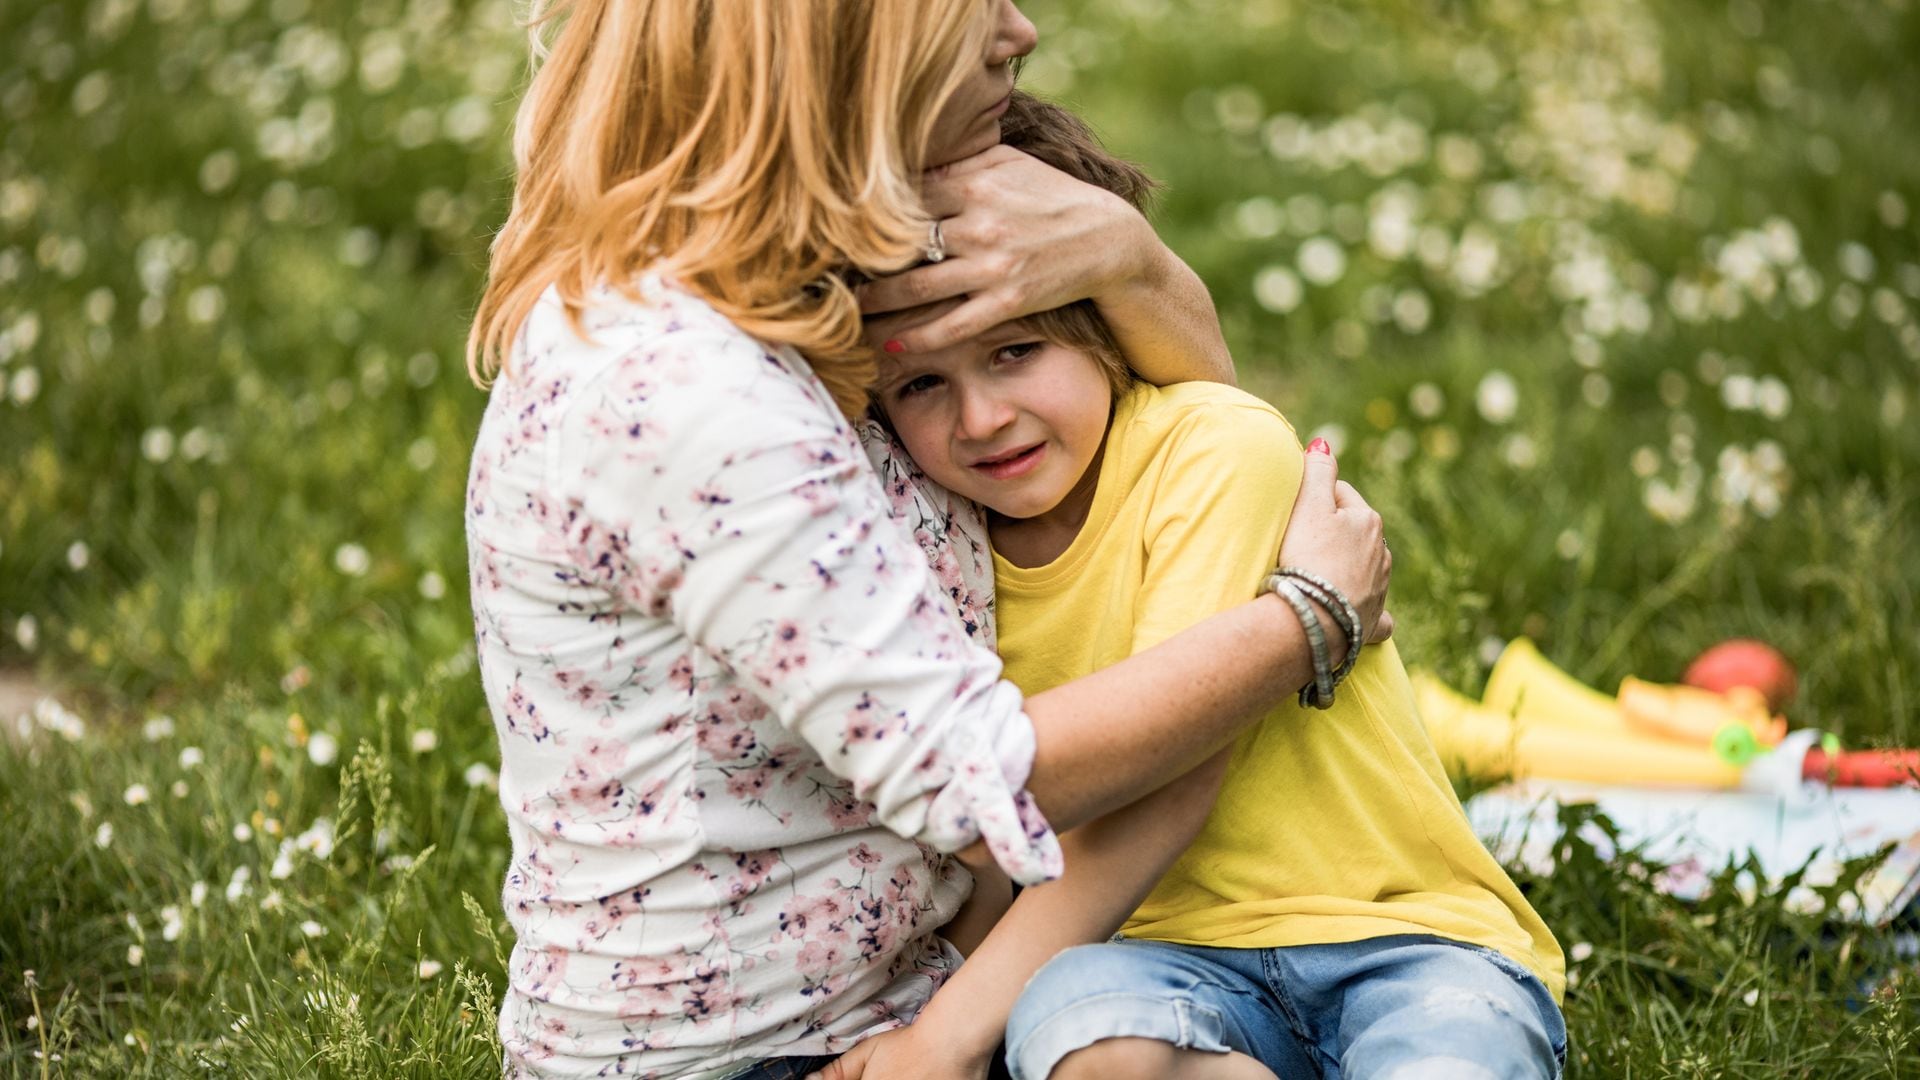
point(1319, 446)
point(894, 346)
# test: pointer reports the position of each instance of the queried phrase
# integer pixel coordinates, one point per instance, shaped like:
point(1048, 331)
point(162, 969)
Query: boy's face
point(1005, 419)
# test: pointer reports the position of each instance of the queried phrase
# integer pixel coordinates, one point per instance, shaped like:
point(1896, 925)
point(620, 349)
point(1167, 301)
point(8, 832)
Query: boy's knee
point(1117, 1059)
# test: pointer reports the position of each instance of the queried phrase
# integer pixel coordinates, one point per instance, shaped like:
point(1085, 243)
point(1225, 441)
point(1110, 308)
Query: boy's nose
point(982, 415)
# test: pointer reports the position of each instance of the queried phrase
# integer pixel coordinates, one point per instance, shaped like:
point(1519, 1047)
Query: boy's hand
point(909, 1053)
point(1334, 533)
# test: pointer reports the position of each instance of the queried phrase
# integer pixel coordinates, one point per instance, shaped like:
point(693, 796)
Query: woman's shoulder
point(653, 343)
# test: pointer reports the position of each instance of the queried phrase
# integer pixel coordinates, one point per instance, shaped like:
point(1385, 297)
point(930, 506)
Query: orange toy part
point(1692, 715)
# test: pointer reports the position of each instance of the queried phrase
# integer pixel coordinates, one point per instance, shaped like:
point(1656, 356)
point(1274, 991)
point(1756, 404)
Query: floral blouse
point(742, 676)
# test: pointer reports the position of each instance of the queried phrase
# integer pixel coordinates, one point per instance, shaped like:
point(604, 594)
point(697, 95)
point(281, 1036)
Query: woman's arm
point(764, 537)
point(1022, 236)
point(1105, 739)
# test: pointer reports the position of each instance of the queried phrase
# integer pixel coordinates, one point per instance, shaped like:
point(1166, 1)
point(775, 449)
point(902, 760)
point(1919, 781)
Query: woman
point(739, 715)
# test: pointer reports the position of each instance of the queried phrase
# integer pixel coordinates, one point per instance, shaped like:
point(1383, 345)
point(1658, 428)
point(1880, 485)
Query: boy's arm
point(1220, 511)
point(1112, 864)
point(1213, 536)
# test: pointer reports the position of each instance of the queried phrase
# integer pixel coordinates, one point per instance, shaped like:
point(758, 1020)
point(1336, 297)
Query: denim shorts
point(784, 1068)
point(1406, 1007)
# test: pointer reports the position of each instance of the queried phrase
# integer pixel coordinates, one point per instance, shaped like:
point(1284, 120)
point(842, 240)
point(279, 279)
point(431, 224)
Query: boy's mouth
point(1013, 463)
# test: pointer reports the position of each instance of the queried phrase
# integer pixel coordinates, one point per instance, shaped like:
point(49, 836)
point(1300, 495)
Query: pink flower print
point(680, 673)
point(593, 787)
point(751, 870)
point(612, 911)
point(725, 732)
point(582, 691)
point(541, 970)
point(849, 813)
point(817, 957)
point(750, 784)
point(523, 715)
point(787, 653)
point(862, 855)
point(868, 722)
point(812, 917)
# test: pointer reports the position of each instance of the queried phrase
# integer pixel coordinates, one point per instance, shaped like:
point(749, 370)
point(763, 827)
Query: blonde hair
point(747, 149)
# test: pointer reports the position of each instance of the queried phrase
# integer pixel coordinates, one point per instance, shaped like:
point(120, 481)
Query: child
point(1335, 915)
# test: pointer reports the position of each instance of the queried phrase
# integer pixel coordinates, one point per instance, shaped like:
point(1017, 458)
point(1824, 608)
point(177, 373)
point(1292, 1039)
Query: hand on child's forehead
point(880, 328)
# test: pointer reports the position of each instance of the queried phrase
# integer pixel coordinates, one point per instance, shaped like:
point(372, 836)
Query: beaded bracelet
point(1297, 587)
point(1319, 692)
point(1321, 591)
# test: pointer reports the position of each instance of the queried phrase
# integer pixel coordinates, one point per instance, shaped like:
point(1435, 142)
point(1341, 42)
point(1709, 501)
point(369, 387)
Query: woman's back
point(689, 602)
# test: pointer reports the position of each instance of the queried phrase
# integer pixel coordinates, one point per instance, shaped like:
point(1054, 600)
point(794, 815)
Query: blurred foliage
point(1610, 307)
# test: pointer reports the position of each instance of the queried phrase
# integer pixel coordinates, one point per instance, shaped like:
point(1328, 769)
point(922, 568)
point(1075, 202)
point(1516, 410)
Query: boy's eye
point(1019, 350)
point(918, 384)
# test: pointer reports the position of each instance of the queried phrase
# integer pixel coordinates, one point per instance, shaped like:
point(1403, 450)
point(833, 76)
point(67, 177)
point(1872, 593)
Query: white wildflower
point(103, 836)
point(237, 885)
point(429, 968)
point(424, 740)
point(282, 867)
point(351, 560)
point(136, 795)
point(172, 925)
point(136, 956)
point(1426, 400)
point(1580, 952)
point(1321, 260)
point(1278, 289)
point(1856, 261)
point(432, 585)
point(78, 555)
point(317, 840)
point(272, 901)
point(191, 756)
point(1497, 397)
point(323, 749)
point(197, 894)
point(179, 789)
point(312, 929)
point(26, 631)
point(480, 774)
point(242, 831)
point(156, 445)
point(157, 728)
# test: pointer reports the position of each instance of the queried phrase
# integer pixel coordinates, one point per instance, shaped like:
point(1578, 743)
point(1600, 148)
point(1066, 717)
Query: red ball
point(1745, 662)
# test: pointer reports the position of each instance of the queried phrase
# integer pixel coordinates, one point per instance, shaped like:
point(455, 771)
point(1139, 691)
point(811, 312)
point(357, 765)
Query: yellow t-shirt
point(1330, 826)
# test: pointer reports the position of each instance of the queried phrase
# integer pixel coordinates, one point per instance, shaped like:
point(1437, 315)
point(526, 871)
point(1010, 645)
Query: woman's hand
point(910, 1053)
point(1334, 533)
point(1020, 236)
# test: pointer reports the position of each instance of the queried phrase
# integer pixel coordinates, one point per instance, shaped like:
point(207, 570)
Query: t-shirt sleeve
point(1222, 497)
point(747, 515)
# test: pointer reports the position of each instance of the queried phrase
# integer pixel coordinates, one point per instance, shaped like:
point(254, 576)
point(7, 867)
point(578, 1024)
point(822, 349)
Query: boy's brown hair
point(1057, 137)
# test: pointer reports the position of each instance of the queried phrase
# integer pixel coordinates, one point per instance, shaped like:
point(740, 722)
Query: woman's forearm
point(1112, 864)
point(1107, 739)
point(1164, 320)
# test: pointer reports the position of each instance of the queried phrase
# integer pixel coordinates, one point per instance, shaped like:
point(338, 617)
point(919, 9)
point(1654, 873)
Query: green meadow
point(1612, 308)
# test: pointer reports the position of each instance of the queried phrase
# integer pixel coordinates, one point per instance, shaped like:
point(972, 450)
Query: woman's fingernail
point(1317, 446)
point(893, 346)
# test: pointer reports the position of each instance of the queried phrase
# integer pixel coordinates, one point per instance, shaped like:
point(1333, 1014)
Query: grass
point(1610, 307)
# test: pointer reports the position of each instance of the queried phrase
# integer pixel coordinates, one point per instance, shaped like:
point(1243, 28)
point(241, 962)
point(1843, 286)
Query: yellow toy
point(1538, 721)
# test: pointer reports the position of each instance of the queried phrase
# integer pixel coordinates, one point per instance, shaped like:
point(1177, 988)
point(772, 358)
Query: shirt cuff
point(986, 799)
